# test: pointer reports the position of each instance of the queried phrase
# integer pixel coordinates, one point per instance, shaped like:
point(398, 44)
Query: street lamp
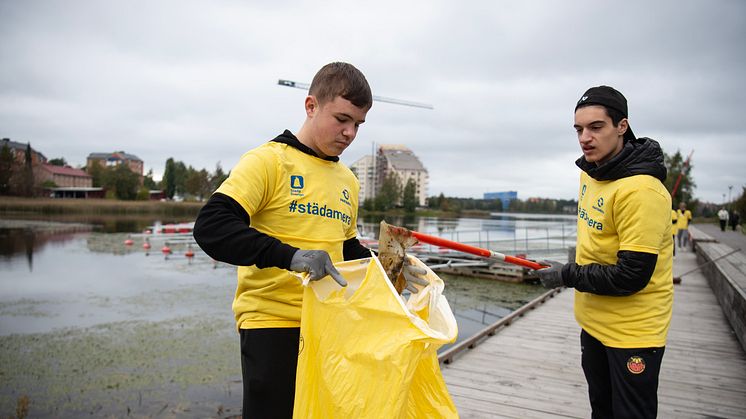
point(730, 188)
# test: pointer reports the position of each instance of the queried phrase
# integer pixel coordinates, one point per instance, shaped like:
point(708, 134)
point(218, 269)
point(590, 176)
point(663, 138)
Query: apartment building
point(391, 158)
point(114, 159)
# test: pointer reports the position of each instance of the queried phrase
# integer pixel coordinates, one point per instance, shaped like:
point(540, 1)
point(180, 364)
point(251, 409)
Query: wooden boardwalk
point(531, 369)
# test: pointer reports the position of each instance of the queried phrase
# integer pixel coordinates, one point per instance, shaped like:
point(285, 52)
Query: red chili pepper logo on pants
point(635, 365)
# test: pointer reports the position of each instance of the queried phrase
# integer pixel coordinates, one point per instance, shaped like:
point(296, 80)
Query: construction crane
point(305, 86)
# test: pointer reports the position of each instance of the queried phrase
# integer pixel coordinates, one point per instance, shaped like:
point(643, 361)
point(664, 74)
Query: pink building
point(63, 176)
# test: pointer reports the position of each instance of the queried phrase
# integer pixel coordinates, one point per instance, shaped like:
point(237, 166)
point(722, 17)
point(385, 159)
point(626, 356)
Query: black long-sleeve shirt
point(630, 274)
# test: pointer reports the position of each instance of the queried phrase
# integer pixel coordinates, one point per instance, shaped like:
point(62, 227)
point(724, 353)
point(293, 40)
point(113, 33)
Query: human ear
point(311, 105)
point(623, 126)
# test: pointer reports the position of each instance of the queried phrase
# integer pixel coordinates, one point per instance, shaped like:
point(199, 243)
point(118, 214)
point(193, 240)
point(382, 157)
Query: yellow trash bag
point(365, 352)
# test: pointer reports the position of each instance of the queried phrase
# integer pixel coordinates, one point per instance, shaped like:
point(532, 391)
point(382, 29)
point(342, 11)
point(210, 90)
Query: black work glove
point(551, 276)
point(317, 263)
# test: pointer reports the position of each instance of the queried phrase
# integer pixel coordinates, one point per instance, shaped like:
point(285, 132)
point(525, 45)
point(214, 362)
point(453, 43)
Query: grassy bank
point(45, 206)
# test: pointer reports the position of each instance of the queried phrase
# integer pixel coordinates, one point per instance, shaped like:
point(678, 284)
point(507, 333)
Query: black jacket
point(223, 230)
point(633, 270)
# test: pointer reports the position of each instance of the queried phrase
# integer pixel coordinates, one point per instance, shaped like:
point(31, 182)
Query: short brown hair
point(341, 79)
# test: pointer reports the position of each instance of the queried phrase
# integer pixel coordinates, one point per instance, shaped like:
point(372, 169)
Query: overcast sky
point(197, 81)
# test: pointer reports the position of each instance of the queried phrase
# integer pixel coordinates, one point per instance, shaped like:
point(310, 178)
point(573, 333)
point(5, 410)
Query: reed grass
point(48, 206)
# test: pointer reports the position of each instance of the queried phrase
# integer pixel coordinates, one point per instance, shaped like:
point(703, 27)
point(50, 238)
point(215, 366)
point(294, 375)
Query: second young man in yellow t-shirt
point(622, 272)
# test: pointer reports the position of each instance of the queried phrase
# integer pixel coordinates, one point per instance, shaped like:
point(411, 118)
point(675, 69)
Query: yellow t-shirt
point(301, 200)
point(674, 225)
point(632, 214)
point(684, 218)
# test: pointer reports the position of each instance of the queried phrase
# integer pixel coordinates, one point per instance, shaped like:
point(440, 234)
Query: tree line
point(392, 195)
point(179, 180)
point(16, 178)
point(185, 181)
point(119, 182)
point(531, 205)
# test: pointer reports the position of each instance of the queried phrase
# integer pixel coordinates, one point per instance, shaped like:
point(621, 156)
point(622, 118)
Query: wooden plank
point(532, 367)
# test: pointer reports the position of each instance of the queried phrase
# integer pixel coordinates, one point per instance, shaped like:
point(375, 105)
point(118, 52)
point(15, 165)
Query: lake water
point(90, 326)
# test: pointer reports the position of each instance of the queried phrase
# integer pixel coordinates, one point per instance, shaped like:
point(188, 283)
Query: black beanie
point(609, 97)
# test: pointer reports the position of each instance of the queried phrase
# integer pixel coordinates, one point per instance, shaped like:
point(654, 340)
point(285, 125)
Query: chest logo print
point(296, 182)
point(296, 185)
point(599, 205)
point(345, 199)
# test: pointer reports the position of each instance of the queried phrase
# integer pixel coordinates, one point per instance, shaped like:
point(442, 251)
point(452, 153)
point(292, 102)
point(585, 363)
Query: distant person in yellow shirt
point(622, 272)
point(684, 218)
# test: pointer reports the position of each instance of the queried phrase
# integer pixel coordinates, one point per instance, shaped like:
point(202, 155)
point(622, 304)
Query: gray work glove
point(317, 263)
point(551, 276)
point(414, 276)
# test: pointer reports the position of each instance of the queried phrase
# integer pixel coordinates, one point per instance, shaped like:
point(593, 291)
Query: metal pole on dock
point(515, 241)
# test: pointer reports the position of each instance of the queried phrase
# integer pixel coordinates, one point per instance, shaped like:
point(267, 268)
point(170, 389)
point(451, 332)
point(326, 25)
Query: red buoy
point(128, 242)
point(189, 252)
point(166, 250)
point(146, 245)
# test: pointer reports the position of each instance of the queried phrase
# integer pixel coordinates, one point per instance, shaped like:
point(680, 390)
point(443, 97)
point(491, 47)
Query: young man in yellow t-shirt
point(622, 273)
point(684, 218)
point(289, 204)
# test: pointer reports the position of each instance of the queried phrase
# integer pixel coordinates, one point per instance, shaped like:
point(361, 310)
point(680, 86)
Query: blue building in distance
point(505, 197)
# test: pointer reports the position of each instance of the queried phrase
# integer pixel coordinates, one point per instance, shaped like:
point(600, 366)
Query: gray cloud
point(197, 81)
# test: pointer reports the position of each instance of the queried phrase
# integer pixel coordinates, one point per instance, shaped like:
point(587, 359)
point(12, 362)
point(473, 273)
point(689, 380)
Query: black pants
point(722, 225)
point(268, 361)
point(674, 245)
point(622, 383)
point(683, 238)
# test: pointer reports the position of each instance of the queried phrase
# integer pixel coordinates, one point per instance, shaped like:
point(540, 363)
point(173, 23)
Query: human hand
point(317, 263)
point(413, 275)
point(551, 276)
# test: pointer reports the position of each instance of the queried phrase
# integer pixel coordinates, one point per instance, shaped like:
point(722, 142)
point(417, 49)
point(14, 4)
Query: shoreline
point(49, 206)
point(10, 205)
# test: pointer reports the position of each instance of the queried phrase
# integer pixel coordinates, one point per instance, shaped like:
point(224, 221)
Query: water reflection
point(99, 223)
point(26, 239)
point(17, 241)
